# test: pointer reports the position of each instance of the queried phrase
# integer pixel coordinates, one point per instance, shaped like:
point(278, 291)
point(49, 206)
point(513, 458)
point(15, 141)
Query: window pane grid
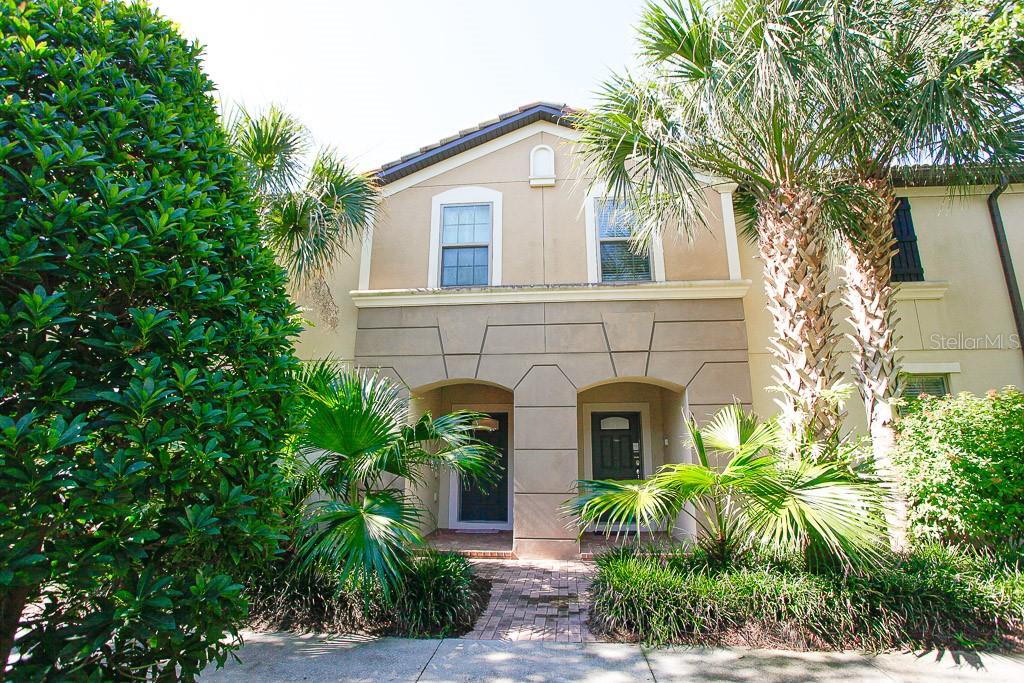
point(466, 224)
point(618, 261)
point(465, 245)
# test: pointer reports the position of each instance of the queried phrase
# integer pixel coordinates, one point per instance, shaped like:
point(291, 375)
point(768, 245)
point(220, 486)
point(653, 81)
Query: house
point(497, 280)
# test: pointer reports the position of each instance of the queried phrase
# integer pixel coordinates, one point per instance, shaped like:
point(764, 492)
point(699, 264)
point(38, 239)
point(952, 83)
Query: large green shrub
point(935, 596)
point(144, 351)
point(437, 595)
point(962, 464)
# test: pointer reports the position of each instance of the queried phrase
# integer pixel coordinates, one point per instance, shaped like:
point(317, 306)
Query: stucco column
point(545, 464)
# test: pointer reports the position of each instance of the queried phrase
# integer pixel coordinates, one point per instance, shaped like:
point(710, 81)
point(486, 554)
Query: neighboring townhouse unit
point(497, 280)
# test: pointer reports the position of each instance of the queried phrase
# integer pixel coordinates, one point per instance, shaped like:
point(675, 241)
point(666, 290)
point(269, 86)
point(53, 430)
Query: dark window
point(619, 262)
point(465, 245)
point(933, 385)
point(906, 264)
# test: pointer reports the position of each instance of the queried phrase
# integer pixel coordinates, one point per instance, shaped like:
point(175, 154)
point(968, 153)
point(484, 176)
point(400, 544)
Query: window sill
point(631, 291)
point(926, 289)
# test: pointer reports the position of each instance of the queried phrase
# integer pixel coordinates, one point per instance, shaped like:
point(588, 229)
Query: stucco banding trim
point(648, 291)
point(914, 291)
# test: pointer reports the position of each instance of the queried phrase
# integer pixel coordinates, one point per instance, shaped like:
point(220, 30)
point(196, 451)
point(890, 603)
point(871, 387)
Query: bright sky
point(377, 79)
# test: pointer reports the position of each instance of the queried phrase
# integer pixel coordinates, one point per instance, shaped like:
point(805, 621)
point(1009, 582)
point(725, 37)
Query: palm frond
point(819, 504)
point(737, 433)
point(628, 142)
point(370, 540)
point(272, 146)
point(354, 421)
point(757, 498)
point(454, 445)
point(619, 504)
point(317, 223)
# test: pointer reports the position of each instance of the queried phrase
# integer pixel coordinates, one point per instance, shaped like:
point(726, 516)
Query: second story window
point(617, 258)
point(906, 264)
point(465, 245)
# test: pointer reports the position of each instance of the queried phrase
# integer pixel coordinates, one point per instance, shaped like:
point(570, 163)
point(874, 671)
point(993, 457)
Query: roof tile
point(449, 146)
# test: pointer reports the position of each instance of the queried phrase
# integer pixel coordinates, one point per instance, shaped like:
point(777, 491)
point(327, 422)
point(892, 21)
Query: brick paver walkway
point(535, 600)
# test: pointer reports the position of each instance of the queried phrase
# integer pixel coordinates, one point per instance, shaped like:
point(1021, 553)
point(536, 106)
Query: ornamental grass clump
point(437, 595)
point(931, 597)
point(440, 597)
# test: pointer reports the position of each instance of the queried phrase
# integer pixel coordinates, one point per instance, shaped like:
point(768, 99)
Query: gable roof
point(563, 115)
point(559, 114)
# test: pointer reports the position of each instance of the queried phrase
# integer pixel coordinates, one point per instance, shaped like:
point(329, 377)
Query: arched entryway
point(627, 429)
point(467, 515)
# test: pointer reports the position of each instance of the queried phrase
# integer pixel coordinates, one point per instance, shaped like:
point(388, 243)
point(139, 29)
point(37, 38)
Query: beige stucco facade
point(549, 345)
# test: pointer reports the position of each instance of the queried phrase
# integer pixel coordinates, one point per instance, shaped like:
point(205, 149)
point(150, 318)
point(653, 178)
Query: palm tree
point(731, 92)
point(311, 215)
point(908, 98)
point(354, 452)
point(757, 500)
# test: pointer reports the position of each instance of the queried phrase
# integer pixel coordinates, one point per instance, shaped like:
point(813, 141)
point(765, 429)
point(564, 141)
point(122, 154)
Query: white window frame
point(655, 251)
point(465, 195)
point(466, 245)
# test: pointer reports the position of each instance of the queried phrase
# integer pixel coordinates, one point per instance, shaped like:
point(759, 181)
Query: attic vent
point(542, 166)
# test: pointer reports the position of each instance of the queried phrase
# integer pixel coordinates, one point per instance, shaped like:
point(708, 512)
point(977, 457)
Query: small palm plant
point(355, 453)
point(783, 504)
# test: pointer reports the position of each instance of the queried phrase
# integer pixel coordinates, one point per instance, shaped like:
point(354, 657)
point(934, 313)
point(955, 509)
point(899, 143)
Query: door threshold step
point(487, 554)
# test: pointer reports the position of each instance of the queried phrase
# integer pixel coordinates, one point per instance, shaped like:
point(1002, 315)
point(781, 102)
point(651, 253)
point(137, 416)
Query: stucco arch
point(640, 379)
point(440, 384)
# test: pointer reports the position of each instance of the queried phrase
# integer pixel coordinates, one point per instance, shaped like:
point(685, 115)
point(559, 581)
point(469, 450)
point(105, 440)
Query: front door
point(618, 452)
point(483, 504)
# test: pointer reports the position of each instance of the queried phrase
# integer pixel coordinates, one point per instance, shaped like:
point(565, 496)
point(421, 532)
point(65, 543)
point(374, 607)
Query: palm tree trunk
point(793, 248)
point(870, 296)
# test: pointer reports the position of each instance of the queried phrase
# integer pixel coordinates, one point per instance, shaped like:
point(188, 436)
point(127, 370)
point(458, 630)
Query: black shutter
point(906, 264)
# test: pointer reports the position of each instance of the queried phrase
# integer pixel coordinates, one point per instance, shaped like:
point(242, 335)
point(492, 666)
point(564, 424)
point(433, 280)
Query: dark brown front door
point(617, 447)
point(489, 503)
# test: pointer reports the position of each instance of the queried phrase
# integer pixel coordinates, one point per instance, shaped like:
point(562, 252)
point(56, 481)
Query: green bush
point(282, 599)
point(145, 360)
point(932, 597)
point(438, 595)
point(962, 464)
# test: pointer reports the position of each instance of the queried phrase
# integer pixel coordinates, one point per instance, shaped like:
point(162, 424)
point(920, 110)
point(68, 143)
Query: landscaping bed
point(441, 596)
point(934, 596)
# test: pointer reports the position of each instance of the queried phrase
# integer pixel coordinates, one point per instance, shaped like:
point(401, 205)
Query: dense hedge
point(144, 350)
point(932, 597)
point(962, 464)
point(439, 596)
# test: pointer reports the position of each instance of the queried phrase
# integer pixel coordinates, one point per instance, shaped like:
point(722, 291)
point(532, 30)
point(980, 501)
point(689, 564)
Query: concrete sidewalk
point(279, 657)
